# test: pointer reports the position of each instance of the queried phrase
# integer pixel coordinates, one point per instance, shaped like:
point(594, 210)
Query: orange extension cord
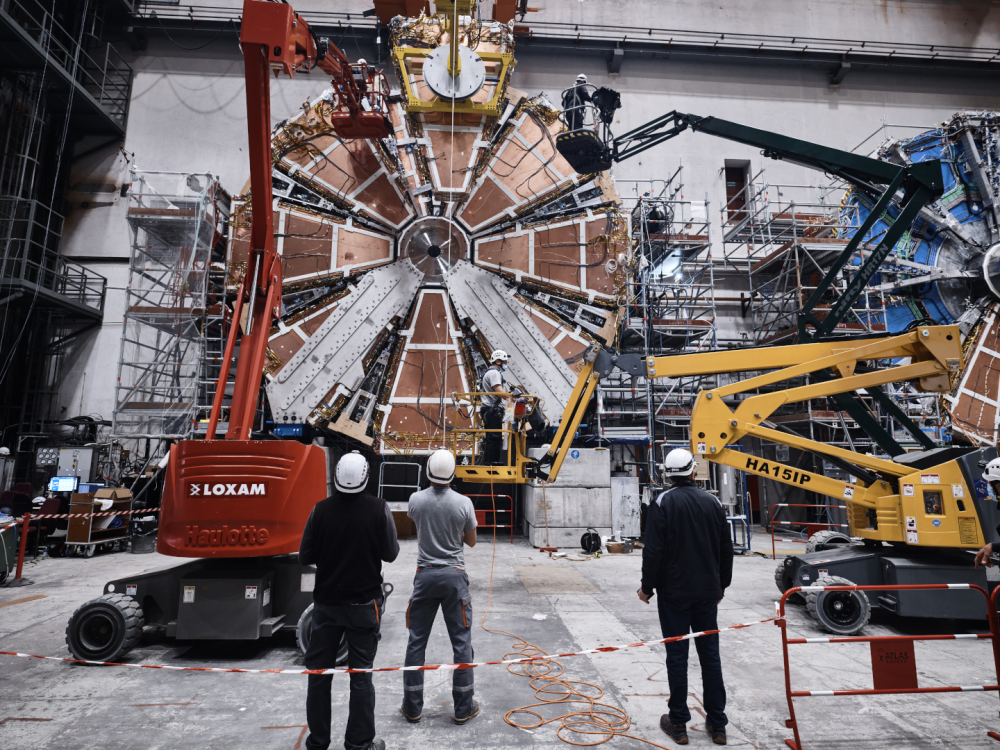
point(594, 723)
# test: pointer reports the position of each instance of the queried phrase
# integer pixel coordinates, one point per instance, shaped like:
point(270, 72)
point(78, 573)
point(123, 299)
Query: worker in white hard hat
point(573, 102)
point(992, 476)
point(493, 407)
point(445, 522)
point(347, 537)
point(687, 559)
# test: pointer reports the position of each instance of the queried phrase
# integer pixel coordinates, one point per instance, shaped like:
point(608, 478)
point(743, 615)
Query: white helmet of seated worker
point(498, 354)
point(679, 463)
point(992, 471)
point(352, 473)
point(581, 78)
point(441, 467)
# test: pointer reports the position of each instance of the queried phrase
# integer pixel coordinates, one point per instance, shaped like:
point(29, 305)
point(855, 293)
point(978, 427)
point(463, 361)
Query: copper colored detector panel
point(374, 237)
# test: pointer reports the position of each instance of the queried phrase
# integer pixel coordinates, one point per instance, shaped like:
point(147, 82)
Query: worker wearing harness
point(445, 520)
point(493, 407)
point(992, 477)
point(347, 537)
point(688, 559)
point(573, 102)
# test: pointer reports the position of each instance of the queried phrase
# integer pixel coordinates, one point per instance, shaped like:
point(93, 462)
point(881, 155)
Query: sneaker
point(676, 732)
point(411, 719)
point(718, 734)
point(377, 744)
point(472, 714)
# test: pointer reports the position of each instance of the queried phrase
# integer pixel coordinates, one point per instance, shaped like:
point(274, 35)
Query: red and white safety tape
point(33, 516)
point(422, 668)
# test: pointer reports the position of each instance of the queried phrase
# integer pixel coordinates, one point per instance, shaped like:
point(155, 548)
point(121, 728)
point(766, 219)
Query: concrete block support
point(580, 499)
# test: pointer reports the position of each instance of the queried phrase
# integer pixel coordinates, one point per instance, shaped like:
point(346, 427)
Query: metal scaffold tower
point(175, 307)
point(672, 309)
point(783, 238)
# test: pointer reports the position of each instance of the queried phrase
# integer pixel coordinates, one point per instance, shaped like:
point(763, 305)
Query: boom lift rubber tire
point(783, 580)
point(824, 540)
point(839, 612)
point(106, 628)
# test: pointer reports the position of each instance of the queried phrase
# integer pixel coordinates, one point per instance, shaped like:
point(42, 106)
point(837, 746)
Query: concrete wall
point(188, 114)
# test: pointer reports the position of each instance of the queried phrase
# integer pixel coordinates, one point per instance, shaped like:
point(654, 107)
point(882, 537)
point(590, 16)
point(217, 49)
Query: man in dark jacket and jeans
point(688, 560)
point(347, 537)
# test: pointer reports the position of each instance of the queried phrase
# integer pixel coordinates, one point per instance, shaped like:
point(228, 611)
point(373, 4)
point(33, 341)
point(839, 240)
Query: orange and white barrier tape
point(422, 668)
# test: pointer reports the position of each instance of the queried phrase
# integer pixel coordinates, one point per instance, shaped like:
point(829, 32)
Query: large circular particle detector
point(469, 80)
point(434, 245)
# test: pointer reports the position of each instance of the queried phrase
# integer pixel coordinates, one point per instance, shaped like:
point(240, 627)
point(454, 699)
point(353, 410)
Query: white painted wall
point(188, 114)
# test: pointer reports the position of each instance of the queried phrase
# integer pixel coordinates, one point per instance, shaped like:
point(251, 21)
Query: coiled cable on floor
point(593, 723)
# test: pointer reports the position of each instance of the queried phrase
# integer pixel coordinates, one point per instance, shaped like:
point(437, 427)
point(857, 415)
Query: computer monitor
point(63, 484)
point(91, 487)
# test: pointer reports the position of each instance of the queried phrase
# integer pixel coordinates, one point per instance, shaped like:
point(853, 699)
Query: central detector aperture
point(434, 245)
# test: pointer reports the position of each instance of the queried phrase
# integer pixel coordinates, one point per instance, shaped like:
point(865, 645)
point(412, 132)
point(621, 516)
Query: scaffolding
point(175, 307)
point(783, 239)
point(671, 310)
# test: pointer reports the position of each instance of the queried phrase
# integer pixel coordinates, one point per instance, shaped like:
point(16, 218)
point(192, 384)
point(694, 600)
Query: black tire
point(88, 551)
point(123, 545)
point(839, 612)
point(303, 634)
point(783, 580)
point(104, 629)
point(824, 540)
point(3, 574)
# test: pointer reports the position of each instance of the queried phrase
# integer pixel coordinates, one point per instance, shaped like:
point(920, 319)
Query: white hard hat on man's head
point(352, 473)
point(498, 354)
point(361, 61)
point(679, 463)
point(441, 467)
point(581, 78)
point(992, 471)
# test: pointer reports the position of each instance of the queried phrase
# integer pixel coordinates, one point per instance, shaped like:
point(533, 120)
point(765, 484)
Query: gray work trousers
point(448, 588)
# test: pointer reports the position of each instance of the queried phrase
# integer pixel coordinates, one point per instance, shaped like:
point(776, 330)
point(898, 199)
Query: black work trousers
point(492, 445)
point(680, 617)
point(360, 622)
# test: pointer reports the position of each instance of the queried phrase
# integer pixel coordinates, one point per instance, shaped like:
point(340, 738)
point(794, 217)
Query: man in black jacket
point(688, 560)
point(346, 538)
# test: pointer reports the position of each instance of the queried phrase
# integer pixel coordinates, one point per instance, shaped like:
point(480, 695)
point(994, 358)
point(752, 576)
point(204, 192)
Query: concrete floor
point(56, 705)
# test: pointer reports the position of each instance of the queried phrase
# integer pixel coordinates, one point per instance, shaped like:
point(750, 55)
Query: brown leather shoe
point(472, 714)
point(676, 732)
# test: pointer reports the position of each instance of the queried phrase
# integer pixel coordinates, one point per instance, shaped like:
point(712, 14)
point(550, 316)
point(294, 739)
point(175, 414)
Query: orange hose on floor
point(594, 723)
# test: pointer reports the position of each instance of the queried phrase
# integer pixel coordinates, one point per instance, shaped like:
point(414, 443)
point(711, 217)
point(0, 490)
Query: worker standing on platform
point(688, 560)
point(573, 102)
point(445, 520)
point(347, 537)
point(494, 407)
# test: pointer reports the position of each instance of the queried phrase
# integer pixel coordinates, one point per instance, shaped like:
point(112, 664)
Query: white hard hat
point(441, 467)
point(352, 473)
point(498, 354)
point(581, 78)
point(992, 471)
point(361, 61)
point(4, 451)
point(679, 463)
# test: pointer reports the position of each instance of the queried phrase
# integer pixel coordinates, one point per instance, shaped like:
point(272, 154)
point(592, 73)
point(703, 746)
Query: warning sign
point(849, 492)
point(251, 592)
point(930, 479)
point(967, 532)
point(189, 594)
point(957, 490)
point(702, 448)
point(911, 537)
point(911, 523)
point(907, 490)
point(131, 589)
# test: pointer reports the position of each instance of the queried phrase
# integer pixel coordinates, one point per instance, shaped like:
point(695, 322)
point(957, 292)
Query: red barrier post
point(994, 635)
point(21, 546)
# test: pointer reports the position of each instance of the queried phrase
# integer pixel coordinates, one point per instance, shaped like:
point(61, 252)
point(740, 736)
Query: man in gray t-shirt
point(445, 521)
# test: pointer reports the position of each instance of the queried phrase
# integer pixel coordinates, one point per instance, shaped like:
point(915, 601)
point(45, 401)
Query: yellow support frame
point(414, 104)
